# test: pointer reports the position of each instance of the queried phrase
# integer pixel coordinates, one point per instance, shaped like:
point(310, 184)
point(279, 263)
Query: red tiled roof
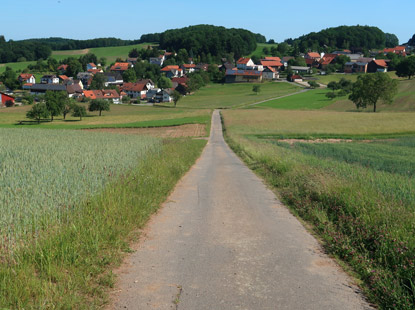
point(271, 69)
point(313, 55)
point(400, 48)
point(92, 64)
point(327, 59)
point(294, 77)
point(62, 67)
point(101, 94)
point(271, 63)
point(273, 58)
point(243, 61)
point(63, 77)
point(25, 76)
point(169, 68)
point(180, 80)
point(120, 66)
point(381, 62)
point(138, 87)
point(244, 72)
point(95, 71)
point(188, 66)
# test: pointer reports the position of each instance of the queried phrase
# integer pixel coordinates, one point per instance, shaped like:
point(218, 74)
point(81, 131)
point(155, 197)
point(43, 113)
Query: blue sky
point(128, 19)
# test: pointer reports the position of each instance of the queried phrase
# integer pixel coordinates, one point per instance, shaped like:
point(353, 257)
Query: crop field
point(359, 195)
point(44, 173)
point(119, 116)
point(235, 95)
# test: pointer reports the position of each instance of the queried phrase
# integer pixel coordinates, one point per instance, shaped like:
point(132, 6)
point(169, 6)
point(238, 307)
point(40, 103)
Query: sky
point(129, 19)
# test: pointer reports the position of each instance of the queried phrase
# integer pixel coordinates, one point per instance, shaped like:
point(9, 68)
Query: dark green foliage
point(406, 68)
point(207, 39)
point(133, 53)
point(331, 95)
point(260, 38)
point(69, 44)
point(150, 37)
point(86, 59)
point(38, 112)
point(164, 82)
point(9, 78)
point(55, 102)
point(391, 40)
point(298, 61)
point(74, 67)
point(98, 81)
point(99, 105)
point(9, 103)
point(313, 84)
point(256, 89)
point(344, 37)
point(13, 51)
point(129, 75)
point(79, 111)
point(411, 41)
point(176, 97)
point(370, 88)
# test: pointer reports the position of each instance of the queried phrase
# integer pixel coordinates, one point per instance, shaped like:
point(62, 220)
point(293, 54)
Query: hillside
point(345, 37)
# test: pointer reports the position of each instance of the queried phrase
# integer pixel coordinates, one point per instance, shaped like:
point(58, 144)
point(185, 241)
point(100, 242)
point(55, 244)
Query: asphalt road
point(224, 241)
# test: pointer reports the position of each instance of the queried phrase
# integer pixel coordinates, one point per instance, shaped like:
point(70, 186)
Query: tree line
point(355, 38)
point(17, 51)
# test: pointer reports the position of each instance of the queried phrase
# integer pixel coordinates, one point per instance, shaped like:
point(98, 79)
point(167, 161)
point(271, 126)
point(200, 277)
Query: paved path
point(259, 102)
point(223, 241)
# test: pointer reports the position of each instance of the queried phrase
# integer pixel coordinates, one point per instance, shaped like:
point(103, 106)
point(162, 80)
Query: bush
point(9, 103)
point(331, 95)
point(313, 84)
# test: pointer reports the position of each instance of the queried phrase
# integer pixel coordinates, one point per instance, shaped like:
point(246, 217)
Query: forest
point(13, 51)
point(355, 38)
point(205, 40)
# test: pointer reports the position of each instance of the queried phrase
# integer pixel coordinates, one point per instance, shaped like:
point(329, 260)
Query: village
point(116, 89)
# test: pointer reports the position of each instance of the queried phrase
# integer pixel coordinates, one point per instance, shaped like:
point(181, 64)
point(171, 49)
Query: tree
point(256, 89)
point(67, 107)
point(176, 97)
point(406, 68)
point(99, 105)
point(333, 85)
point(78, 111)
point(164, 82)
point(102, 61)
point(98, 81)
point(74, 67)
point(133, 53)
point(370, 88)
point(331, 95)
point(38, 112)
point(129, 75)
point(55, 102)
point(313, 84)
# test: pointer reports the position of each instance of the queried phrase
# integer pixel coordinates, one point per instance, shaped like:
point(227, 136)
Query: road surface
point(224, 241)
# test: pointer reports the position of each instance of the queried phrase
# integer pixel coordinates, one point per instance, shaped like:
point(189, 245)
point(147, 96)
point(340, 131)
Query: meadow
point(358, 195)
point(235, 95)
point(259, 49)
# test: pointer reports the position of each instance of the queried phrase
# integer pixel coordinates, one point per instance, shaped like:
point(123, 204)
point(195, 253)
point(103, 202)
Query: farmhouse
point(188, 68)
point(113, 78)
point(4, 99)
point(135, 90)
point(399, 50)
point(120, 67)
point(245, 64)
point(296, 78)
point(49, 79)
point(313, 56)
point(240, 76)
point(148, 82)
point(172, 71)
point(43, 88)
point(27, 78)
point(157, 60)
point(355, 67)
point(107, 94)
point(269, 73)
point(275, 64)
point(377, 65)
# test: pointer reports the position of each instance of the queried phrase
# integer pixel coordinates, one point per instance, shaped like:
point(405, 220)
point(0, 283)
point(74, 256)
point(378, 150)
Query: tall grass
point(69, 265)
point(44, 173)
point(363, 210)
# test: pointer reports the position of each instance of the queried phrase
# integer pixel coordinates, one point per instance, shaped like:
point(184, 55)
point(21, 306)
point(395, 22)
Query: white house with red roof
point(188, 68)
point(245, 64)
point(312, 55)
point(27, 78)
point(135, 90)
point(269, 73)
point(91, 66)
point(399, 50)
point(120, 67)
point(172, 71)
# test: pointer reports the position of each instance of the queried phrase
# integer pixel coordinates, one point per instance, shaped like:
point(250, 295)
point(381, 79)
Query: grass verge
point(69, 266)
point(361, 209)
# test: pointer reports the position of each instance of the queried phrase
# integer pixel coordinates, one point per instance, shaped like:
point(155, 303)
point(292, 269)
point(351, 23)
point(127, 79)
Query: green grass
point(16, 66)
point(118, 116)
point(110, 53)
point(234, 95)
point(310, 100)
point(358, 196)
point(259, 49)
point(68, 266)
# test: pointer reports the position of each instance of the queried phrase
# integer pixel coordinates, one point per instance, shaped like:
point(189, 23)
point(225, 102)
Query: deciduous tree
point(99, 105)
point(406, 68)
point(38, 111)
point(370, 88)
point(79, 111)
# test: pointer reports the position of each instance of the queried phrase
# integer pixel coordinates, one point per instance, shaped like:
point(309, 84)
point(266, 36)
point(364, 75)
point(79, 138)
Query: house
point(286, 59)
point(157, 60)
point(180, 81)
point(4, 98)
point(399, 50)
point(90, 66)
point(62, 69)
point(245, 64)
point(113, 78)
point(202, 67)
point(63, 78)
point(275, 64)
point(120, 67)
point(172, 71)
point(95, 71)
point(313, 56)
point(43, 88)
point(74, 90)
point(299, 69)
point(327, 60)
point(312, 63)
point(355, 67)
point(296, 78)
point(49, 79)
point(239, 76)
point(135, 90)
point(188, 68)
point(132, 61)
point(377, 65)
point(27, 78)
point(72, 82)
point(107, 94)
point(166, 95)
point(269, 73)
point(85, 77)
point(148, 82)
point(226, 66)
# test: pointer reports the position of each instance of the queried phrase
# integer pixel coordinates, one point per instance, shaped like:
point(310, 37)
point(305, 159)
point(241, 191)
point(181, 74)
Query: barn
point(4, 98)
